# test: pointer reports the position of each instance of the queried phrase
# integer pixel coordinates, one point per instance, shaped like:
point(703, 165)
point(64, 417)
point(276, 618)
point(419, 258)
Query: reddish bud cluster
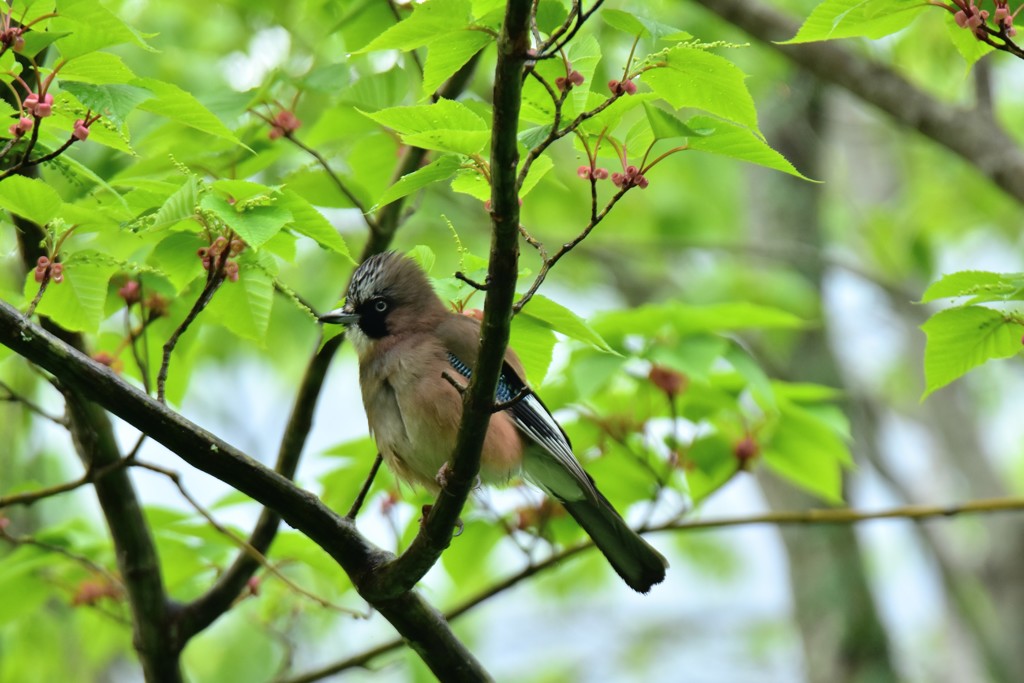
point(672, 382)
point(12, 38)
point(566, 82)
point(745, 451)
point(23, 126)
point(631, 177)
point(1004, 17)
point(157, 305)
point(130, 292)
point(47, 269)
point(283, 123)
point(38, 106)
point(627, 87)
point(211, 255)
point(588, 172)
point(91, 591)
point(81, 130)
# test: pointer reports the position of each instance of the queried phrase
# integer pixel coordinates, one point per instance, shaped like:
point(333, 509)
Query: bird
point(407, 340)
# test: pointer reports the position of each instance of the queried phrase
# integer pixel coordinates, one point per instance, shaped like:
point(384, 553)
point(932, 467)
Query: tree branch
point(987, 147)
point(415, 619)
point(436, 532)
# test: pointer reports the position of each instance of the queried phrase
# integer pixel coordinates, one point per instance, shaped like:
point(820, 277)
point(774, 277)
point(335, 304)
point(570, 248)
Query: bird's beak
point(340, 316)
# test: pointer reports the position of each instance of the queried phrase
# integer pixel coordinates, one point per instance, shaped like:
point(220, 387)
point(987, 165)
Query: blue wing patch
point(532, 418)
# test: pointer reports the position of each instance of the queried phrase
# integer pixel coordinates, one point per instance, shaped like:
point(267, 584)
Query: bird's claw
point(425, 510)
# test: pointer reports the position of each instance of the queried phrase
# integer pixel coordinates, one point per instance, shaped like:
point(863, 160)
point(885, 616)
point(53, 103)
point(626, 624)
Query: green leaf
point(448, 53)
point(696, 78)
point(439, 169)
point(91, 27)
point(97, 68)
point(667, 126)
point(306, 220)
point(255, 225)
point(969, 47)
point(850, 18)
point(557, 317)
point(809, 452)
point(30, 198)
point(738, 143)
point(429, 20)
point(114, 101)
point(176, 258)
point(172, 102)
point(979, 284)
point(244, 306)
point(76, 303)
point(624, 21)
point(446, 125)
point(652, 320)
point(641, 26)
point(534, 343)
point(538, 169)
point(179, 206)
point(960, 339)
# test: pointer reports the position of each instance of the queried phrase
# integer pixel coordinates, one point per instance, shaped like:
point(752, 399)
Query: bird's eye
point(380, 305)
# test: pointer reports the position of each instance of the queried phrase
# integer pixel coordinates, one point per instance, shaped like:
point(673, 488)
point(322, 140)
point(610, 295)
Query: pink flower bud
point(81, 131)
point(30, 102)
point(632, 171)
point(629, 87)
point(618, 179)
point(42, 261)
point(560, 83)
point(287, 121)
point(583, 172)
point(641, 182)
point(601, 173)
point(576, 78)
point(615, 87)
point(23, 126)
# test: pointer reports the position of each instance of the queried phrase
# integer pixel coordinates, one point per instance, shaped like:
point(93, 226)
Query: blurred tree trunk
point(843, 637)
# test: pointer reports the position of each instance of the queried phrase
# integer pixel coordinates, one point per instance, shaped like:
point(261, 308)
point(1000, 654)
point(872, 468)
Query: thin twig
point(86, 562)
point(357, 504)
point(482, 286)
point(566, 248)
point(202, 302)
point(90, 476)
point(14, 396)
point(338, 182)
point(241, 542)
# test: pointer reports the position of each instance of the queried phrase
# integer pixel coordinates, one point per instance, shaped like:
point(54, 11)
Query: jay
point(406, 339)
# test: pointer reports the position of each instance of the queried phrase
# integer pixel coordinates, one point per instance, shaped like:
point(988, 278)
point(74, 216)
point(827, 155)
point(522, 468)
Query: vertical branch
point(402, 574)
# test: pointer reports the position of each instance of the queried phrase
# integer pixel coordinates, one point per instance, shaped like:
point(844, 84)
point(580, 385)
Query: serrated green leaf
point(834, 19)
point(30, 198)
point(960, 339)
point(97, 68)
point(666, 125)
point(446, 125)
point(981, 285)
point(244, 306)
point(738, 143)
point(243, 190)
point(447, 54)
point(179, 206)
point(557, 317)
point(255, 225)
point(114, 101)
point(439, 169)
point(306, 220)
point(696, 78)
point(472, 182)
point(173, 103)
point(91, 27)
point(177, 259)
point(76, 303)
point(427, 21)
point(969, 47)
